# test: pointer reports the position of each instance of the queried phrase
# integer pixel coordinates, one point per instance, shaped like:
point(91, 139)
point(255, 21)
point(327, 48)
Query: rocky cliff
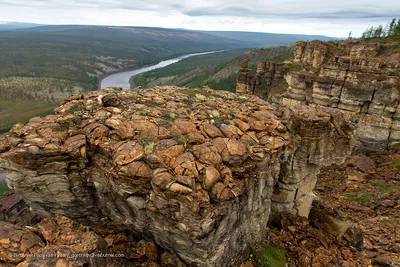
point(359, 78)
point(197, 171)
point(268, 78)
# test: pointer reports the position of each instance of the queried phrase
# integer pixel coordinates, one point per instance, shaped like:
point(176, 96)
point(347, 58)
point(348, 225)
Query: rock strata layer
point(359, 78)
point(269, 75)
point(197, 171)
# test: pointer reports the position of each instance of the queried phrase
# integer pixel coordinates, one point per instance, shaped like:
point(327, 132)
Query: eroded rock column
point(321, 138)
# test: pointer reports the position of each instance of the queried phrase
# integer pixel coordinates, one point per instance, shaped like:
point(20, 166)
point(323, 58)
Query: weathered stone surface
point(359, 78)
point(16, 242)
point(322, 138)
point(187, 173)
point(14, 210)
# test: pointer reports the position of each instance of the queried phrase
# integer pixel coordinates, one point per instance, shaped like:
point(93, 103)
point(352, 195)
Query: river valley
point(122, 79)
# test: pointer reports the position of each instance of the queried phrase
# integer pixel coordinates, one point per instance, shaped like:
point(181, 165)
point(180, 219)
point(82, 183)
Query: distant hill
point(260, 39)
point(10, 26)
point(55, 28)
point(247, 39)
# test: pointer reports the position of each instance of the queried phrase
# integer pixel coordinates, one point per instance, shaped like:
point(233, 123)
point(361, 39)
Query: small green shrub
point(75, 107)
point(373, 53)
point(271, 256)
point(378, 183)
point(395, 165)
point(144, 140)
point(148, 143)
point(359, 197)
point(165, 123)
point(151, 104)
point(181, 139)
point(141, 112)
point(172, 116)
point(215, 114)
point(168, 118)
point(65, 124)
point(148, 149)
point(390, 189)
point(201, 97)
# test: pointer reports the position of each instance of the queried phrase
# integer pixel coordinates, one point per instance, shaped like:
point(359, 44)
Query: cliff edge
point(197, 171)
point(359, 78)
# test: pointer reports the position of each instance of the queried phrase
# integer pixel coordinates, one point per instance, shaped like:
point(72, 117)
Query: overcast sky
point(334, 18)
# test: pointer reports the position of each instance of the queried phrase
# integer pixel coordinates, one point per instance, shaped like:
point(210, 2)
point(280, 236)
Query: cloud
point(334, 18)
point(305, 11)
point(239, 12)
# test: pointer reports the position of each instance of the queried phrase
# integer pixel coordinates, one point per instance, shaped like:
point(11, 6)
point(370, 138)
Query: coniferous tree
point(385, 30)
point(350, 36)
point(396, 31)
point(371, 31)
point(378, 31)
point(392, 27)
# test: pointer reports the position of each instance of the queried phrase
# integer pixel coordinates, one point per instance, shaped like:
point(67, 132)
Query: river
point(122, 78)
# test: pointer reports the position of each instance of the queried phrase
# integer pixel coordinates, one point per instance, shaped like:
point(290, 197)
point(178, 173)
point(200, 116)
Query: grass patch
point(271, 256)
point(22, 112)
point(141, 112)
point(395, 165)
point(378, 183)
point(359, 197)
point(75, 107)
point(384, 188)
point(218, 119)
point(389, 189)
point(65, 124)
point(148, 143)
point(148, 149)
point(201, 97)
point(165, 123)
point(151, 104)
point(144, 140)
point(373, 53)
point(294, 66)
point(168, 119)
point(391, 221)
point(181, 139)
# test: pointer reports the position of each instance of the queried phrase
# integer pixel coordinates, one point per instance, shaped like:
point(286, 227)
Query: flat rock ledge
point(195, 170)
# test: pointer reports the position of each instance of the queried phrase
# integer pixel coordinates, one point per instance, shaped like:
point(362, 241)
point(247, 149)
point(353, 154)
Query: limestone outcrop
point(197, 171)
point(268, 75)
point(245, 81)
point(360, 78)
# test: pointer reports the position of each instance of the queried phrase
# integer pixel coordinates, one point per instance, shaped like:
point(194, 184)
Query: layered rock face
point(245, 80)
point(268, 75)
point(197, 171)
point(359, 78)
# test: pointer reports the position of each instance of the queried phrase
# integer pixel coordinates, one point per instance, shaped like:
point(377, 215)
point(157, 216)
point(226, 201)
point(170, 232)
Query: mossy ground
point(271, 256)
